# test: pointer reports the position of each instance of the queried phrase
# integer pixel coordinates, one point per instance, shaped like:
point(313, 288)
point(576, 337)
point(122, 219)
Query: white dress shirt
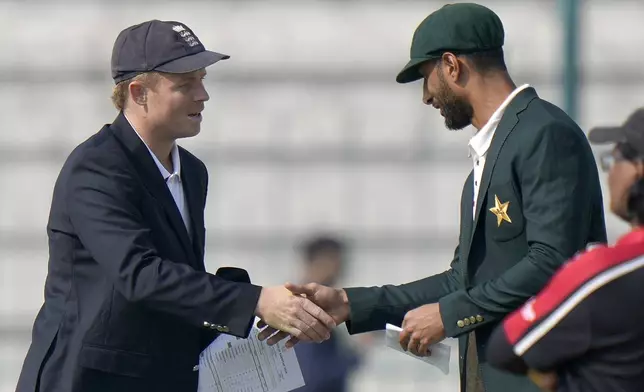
point(480, 142)
point(172, 180)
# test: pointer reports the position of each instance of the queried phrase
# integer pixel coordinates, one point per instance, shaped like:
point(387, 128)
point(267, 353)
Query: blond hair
point(121, 92)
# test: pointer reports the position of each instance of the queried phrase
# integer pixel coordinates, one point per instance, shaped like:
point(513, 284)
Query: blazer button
point(460, 323)
point(472, 320)
point(479, 318)
point(225, 329)
point(466, 321)
point(214, 326)
point(207, 324)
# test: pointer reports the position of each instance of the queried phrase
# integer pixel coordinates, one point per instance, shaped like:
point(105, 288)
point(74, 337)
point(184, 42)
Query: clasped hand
point(302, 312)
point(293, 315)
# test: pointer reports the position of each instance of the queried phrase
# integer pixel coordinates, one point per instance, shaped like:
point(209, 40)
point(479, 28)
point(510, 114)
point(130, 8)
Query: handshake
point(309, 312)
point(305, 313)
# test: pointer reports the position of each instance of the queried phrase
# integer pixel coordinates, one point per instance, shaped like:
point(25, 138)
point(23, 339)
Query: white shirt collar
point(176, 162)
point(480, 142)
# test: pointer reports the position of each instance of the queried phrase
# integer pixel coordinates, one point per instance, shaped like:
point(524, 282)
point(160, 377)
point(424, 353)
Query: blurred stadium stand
point(306, 129)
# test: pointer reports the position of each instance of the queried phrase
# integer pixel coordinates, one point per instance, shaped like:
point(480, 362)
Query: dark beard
point(457, 111)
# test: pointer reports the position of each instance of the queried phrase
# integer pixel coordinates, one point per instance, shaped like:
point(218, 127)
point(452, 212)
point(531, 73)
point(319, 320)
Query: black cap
point(156, 45)
point(631, 132)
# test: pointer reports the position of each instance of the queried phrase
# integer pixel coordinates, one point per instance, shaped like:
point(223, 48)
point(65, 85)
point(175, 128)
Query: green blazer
point(541, 165)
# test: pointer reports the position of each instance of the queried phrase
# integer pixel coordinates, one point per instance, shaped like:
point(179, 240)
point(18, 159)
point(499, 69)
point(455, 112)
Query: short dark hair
point(487, 61)
point(635, 203)
point(321, 244)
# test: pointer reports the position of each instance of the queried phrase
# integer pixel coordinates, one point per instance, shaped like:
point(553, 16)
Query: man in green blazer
point(532, 200)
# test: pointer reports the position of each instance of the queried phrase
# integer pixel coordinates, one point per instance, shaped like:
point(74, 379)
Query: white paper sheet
point(440, 352)
point(248, 365)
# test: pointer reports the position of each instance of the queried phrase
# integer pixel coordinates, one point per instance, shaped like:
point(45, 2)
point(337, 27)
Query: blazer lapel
point(152, 179)
point(193, 190)
point(467, 201)
point(508, 122)
point(467, 208)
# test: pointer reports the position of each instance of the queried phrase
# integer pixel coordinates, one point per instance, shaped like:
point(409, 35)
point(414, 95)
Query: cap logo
point(186, 35)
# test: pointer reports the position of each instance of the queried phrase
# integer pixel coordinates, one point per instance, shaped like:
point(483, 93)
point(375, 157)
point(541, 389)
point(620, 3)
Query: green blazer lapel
point(508, 122)
point(467, 207)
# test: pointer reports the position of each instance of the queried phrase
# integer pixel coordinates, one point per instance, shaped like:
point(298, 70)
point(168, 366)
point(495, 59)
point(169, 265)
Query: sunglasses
point(621, 152)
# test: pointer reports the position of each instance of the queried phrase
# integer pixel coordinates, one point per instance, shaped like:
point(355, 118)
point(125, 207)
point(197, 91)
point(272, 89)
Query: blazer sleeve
point(373, 307)
point(558, 181)
point(101, 197)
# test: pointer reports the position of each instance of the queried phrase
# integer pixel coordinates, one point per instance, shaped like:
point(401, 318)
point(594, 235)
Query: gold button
point(460, 323)
point(213, 326)
point(225, 329)
point(472, 320)
point(466, 321)
point(479, 318)
point(206, 324)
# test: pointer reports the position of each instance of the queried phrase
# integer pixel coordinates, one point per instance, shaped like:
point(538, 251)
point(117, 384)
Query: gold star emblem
point(501, 211)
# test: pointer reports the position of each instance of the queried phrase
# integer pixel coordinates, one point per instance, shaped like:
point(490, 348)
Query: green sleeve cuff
point(460, 315)
point(368, 313)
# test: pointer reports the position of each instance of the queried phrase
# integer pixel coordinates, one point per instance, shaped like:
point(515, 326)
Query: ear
point(452, 68)
point(138, 92)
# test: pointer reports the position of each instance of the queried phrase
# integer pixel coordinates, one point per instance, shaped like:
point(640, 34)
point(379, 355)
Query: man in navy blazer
point(128, 303)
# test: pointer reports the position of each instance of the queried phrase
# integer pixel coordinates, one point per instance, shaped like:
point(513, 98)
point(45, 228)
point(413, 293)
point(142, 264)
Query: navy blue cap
point(155, 45)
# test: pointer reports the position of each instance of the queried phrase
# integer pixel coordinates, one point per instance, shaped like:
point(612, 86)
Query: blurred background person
point(579, 333)
point(329, 365)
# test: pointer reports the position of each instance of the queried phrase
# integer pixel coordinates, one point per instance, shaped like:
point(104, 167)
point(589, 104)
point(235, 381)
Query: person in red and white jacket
point(583, 331)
